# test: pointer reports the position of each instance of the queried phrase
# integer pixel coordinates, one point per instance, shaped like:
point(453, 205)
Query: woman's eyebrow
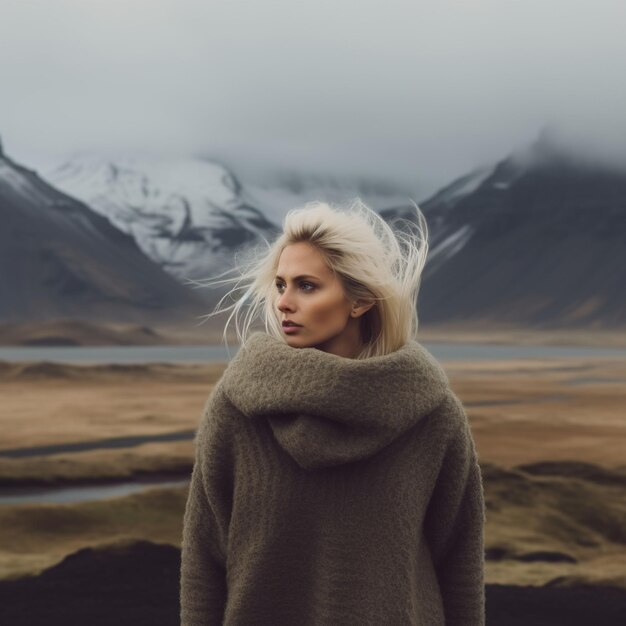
point(299, 277)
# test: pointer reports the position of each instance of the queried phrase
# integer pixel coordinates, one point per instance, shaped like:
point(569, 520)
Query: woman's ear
point(360, 309)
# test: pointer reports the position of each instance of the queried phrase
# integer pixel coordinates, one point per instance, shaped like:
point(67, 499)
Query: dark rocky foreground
point(580, 605)
point(134, 584)
point(138, 584)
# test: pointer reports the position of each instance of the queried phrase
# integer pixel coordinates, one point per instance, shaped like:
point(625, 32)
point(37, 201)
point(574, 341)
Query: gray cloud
point(407, 90)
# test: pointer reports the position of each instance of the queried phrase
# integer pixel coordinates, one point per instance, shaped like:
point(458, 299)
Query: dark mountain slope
point(538, 240)
point(58, 258)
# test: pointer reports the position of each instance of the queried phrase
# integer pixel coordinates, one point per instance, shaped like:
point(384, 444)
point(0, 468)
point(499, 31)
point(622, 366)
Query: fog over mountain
point(413, 93)
point(535, 240)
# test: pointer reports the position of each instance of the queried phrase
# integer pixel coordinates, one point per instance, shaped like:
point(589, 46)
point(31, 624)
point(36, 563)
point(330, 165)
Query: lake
point(82, 493)
point(211, 354)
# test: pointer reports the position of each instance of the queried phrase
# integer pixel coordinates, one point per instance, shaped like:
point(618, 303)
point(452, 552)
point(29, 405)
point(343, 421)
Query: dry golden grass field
point(550, 433)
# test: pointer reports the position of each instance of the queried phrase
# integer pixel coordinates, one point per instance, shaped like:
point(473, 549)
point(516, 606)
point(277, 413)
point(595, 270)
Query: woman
point(336, 479)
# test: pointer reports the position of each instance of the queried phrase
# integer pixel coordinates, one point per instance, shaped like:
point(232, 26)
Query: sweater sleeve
point(203, 590)
point(454, 526)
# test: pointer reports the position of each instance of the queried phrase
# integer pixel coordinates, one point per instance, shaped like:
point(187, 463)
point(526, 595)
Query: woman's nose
point(283, 302)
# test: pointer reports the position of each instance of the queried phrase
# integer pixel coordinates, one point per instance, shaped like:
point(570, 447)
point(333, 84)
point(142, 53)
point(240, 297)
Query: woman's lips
point(291, 329)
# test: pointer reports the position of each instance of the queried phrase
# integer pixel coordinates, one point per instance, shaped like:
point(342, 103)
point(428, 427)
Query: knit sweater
point(333, 491)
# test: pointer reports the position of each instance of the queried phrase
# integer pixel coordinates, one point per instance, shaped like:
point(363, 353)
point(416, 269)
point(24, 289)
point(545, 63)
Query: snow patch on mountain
point(463, 187)
point(448, 246)
point(186, 214)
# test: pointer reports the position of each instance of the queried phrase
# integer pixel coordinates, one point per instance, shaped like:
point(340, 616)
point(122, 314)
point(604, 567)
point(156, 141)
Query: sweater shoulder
point(216, 424)
point(451, 419)
point(451, 407)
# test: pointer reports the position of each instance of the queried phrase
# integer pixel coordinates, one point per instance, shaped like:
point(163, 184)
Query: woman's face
point(310, 295)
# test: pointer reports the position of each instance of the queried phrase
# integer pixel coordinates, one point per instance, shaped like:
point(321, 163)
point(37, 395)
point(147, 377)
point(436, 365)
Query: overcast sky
point(402, 89)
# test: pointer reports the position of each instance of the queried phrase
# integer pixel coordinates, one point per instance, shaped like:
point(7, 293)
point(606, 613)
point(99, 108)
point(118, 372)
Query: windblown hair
point(372, 261)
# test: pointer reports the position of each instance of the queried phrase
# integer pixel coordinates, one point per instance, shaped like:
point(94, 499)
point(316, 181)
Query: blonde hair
point(372, 261)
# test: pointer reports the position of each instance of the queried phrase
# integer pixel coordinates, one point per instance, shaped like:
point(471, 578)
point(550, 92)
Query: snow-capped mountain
point(187, 215)
point(58, 258)
point(535, 240)
point(191, 215)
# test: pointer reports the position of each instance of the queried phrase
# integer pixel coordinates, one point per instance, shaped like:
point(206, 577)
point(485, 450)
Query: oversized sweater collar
point(326, 410)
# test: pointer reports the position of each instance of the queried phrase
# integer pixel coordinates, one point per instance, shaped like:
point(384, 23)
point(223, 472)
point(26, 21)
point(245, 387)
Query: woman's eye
point(312, 287)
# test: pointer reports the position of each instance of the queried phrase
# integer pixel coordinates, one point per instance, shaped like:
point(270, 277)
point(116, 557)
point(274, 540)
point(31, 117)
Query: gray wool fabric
point(333, 491)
